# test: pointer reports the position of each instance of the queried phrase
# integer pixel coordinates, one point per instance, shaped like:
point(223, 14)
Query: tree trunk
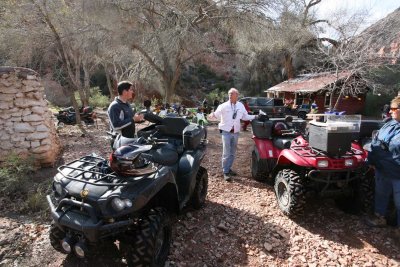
point(76, 107)
point(338, 100)
point(109, 85)
point(86, 85)
point(288, 63)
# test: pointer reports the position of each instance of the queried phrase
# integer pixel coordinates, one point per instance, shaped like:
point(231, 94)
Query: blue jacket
point(121, 118)
point(385, 151)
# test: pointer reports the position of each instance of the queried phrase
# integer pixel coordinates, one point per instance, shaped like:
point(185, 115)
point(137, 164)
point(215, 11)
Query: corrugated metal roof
point(308, 83)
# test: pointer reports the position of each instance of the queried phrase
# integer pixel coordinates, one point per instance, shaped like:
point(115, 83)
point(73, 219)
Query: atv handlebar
point(289, 132)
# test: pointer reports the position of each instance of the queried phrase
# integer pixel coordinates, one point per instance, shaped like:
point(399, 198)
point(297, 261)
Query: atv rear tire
point(56, 235)
point(289, 192)
point(200, 191)
point(150, 245)
point(259, 168)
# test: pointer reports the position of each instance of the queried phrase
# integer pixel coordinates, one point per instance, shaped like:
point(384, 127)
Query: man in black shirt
point(120, 113)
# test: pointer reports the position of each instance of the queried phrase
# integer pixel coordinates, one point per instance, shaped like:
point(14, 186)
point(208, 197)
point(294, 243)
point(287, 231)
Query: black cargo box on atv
point(335, 135)
point(192, 136)
point(262, 129)
point(333, 143)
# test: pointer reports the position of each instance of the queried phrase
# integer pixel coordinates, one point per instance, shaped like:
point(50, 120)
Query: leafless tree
point(169, 34)
point(352, 57)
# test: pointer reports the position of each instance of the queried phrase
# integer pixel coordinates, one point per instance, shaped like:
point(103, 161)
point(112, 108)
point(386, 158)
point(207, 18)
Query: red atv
point(325, 162)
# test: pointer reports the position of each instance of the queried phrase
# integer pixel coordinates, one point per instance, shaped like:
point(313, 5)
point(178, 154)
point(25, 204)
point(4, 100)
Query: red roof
point(308, 82)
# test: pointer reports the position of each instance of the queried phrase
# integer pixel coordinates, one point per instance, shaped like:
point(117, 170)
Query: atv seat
point(282, 142)
point(165, 155)
point(173, 126)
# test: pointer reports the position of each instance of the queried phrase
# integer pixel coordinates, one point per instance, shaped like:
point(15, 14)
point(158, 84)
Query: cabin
point(325, 89)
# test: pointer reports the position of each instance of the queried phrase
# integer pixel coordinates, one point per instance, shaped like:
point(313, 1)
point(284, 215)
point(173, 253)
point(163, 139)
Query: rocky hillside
point(384, 36)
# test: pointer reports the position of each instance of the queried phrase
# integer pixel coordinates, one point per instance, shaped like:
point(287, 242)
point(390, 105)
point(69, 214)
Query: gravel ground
point(240, 225)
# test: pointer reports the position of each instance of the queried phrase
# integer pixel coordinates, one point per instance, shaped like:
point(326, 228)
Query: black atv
point(131, 196)
point(68, 116)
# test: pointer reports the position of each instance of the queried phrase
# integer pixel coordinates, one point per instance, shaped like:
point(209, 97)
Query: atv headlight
point(117, 204)
point(322, 163)
point(58, 188)
point(348, 162)
point(128, 203)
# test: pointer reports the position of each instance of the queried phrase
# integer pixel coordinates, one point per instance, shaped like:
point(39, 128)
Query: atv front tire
point(362, 199)
point(200, 191)
point(150, 245)
point(289, 192)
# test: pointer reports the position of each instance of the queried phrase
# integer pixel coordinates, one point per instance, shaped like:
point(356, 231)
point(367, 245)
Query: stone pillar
point(26, 126)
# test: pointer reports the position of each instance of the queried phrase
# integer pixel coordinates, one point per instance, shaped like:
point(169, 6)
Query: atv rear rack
point(91, 168)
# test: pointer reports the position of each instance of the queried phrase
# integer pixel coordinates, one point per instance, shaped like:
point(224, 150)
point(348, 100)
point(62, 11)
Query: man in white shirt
point(229, 114)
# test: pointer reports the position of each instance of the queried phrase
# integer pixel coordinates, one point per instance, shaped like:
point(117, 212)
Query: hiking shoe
point(375, 220)
point(227, 177)
point(232, 173)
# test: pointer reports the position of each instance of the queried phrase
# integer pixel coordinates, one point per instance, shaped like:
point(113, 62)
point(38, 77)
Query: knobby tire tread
point(198, 199)
point(141, 252)
point(297, 198)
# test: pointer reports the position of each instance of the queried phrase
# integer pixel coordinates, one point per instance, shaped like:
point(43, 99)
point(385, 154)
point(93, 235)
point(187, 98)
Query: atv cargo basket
point(89, 170)
point(335, 135)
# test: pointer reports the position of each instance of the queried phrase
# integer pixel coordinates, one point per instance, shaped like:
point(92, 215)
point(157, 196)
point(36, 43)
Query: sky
point(377, 9)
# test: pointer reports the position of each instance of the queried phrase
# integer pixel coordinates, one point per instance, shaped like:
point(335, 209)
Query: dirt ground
point(240, 225)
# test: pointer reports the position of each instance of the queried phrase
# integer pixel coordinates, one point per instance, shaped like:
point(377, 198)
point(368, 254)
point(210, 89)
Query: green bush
point(14, 174)
point(216, 94)
point(96, 99)
point(374, 104)
point(36, 200)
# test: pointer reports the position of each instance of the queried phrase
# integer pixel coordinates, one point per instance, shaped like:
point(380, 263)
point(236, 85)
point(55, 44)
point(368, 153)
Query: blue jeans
point(384, 187)
point(229, 144)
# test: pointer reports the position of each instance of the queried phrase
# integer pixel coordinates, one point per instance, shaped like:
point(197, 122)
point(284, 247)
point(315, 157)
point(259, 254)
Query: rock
point(222, 227)
point(268, 247)
point(23, 128)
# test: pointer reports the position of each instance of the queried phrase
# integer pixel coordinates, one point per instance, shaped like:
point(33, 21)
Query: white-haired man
point(229, 114)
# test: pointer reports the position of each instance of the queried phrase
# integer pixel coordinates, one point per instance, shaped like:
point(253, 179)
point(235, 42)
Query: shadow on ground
point(217, 235)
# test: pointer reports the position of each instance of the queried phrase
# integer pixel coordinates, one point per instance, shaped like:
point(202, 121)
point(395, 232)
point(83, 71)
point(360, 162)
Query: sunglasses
point(394, 109)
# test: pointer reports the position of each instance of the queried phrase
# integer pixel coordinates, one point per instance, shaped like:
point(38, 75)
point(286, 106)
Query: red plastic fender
point(360, 158)
point(288, 156)
point(266, 149)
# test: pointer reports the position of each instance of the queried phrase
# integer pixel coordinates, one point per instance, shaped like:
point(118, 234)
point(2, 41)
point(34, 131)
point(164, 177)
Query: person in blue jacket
point(385, 159)
point(120, 113)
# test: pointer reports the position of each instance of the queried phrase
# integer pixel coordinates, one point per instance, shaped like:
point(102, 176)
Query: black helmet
point(128, 161)
point(279, 126)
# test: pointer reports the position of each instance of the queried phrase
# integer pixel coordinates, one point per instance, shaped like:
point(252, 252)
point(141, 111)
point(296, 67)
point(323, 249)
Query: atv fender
point(189, 165)
point(160, 188)
point(265, 149)
point(288, 157)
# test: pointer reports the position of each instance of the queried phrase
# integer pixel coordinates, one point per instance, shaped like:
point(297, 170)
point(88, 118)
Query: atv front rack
point(91, 170)
point(312, 152)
